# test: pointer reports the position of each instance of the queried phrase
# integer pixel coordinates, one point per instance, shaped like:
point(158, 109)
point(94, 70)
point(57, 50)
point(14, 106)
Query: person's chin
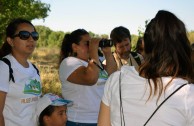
point(126, 54)
point(65, 123)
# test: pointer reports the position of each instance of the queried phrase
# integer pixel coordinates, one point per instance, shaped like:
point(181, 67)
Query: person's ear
point(10, 41)
point(74, 47)
point(46, 119)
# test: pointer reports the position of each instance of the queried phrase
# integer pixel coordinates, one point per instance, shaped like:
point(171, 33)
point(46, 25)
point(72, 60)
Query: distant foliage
point(50, 38)
point(191, 36)
point(142, 30)
point(28, 9)
point(133, 41)
point(44, 32)
point(55, 39)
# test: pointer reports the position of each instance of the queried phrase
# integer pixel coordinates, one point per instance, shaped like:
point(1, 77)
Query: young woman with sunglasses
point(83, 76)
point(18, 96)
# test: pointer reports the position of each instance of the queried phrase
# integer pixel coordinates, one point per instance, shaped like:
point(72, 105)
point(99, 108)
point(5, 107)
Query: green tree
point(141, 30)
point(55, 39)
point(92, 34)
point(134, 39)
point(104, 36)
point(44, 32)
point(48, 37)
point(28, 9)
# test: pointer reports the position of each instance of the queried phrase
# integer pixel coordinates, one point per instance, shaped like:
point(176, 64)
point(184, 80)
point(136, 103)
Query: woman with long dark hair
point(83, 76)
point(20, 85)
point(161, 91)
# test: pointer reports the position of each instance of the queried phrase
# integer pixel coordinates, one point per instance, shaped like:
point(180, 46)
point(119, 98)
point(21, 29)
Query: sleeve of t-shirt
point(110, 87)
point(4, 77)
point(68, 66)
point(106, 96)
point(190, 103)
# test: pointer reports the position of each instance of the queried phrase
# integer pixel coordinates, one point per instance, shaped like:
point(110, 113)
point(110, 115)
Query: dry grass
point(46, 59)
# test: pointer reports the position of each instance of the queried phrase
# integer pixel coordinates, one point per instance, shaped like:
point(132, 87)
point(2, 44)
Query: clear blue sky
point(101, 16)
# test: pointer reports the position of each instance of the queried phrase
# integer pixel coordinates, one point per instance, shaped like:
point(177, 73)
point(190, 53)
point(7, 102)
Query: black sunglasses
point(24, 35)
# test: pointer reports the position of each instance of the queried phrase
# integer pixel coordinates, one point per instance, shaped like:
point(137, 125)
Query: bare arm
point(111, 65)
point(2, 103)
point(87, 75)
point(104, 115)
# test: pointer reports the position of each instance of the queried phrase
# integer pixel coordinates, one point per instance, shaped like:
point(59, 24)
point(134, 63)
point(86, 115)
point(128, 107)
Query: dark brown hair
point(167, 51)
point(69, 39)
point(119, 33)
point(46, 112)
point(10, 32)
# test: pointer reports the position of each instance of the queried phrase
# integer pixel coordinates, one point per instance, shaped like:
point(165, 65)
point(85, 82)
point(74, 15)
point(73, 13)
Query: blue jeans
point(69, 123)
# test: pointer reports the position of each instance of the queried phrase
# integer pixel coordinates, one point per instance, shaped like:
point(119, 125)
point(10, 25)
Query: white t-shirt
point(86, 99)
point(178, 110)
point(130, 61)
point(22, 95)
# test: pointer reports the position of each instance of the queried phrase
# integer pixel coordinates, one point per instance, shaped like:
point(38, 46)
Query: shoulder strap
point(36, 69)
point(136, 57)
point(122, 116)
point(163, 102)
point(11, 77)
point(5, 60)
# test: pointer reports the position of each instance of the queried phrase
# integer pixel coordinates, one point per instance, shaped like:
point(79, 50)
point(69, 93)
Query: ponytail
point(69, 39)
point(66, 49)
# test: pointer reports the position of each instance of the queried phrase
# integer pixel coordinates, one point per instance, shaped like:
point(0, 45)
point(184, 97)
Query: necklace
point(121, 60)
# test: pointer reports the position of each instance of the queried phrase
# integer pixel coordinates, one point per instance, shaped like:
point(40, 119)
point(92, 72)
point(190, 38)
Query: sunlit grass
point(46, 59)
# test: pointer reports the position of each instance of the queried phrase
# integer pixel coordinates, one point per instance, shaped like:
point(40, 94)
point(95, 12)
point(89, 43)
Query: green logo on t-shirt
point(103, 75)
point(33, 87)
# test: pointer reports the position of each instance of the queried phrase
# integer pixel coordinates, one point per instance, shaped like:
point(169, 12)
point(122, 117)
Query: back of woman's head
point(167, 48)
point(10, 32)
point(69, 39)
